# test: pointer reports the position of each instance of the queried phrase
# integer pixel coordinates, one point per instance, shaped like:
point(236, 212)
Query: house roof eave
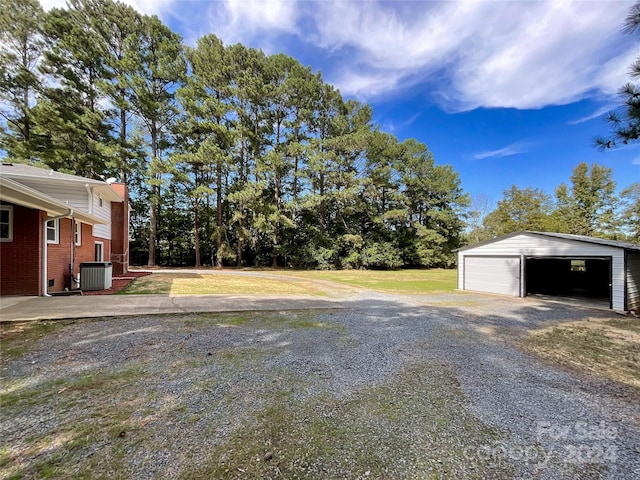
point(19, 194)
point(16, 171)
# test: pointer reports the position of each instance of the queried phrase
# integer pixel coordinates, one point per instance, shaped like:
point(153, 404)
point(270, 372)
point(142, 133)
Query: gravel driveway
point(388, 387)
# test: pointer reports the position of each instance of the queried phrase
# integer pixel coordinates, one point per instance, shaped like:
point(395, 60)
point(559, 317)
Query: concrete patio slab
point(56, 308)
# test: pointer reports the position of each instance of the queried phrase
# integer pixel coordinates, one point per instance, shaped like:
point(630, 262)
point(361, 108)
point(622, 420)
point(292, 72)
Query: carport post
point(523, 278)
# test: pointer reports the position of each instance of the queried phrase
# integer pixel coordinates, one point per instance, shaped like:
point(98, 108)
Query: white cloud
point(353, 83)
point(465, 53)
point(615, 73)
point(597, 114)
point(554, 56)
point(241, 20)
point(391, 126)
point(636, 161)
point(49, 4)
point(508, 151)
point(495, 54)
point(155, 7)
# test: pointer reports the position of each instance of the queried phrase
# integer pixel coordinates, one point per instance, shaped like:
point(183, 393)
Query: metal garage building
point(554, 264)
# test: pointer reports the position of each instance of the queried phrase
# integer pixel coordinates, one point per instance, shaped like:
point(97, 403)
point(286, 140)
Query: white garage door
point(492, 274)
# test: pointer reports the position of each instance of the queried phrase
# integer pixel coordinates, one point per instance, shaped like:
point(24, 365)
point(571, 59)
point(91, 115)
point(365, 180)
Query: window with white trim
point(53, 231)
point(78, 233)
point(6, 223)
point(99, 252)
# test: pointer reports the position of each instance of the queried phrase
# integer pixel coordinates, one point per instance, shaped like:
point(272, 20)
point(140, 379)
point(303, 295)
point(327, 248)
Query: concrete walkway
point(13, 309)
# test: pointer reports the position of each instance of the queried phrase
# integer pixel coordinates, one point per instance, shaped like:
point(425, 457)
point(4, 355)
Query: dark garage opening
point(580, 278)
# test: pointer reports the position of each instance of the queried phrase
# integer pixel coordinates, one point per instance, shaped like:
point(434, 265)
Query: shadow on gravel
point(379, 385)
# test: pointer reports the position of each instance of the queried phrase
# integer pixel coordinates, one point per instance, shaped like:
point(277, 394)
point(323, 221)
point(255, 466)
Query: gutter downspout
point(45, 280)
point(90, 202)
point(72, 252)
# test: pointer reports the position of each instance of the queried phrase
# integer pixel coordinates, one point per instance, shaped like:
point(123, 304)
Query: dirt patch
point(603, 347)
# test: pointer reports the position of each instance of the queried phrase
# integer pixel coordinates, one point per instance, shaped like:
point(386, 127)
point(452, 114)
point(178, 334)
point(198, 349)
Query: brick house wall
point(59, 255)
point(20, 259)
point(120, 231)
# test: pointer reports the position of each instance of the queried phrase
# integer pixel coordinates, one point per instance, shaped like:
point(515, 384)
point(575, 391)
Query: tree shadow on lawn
point(375, 387)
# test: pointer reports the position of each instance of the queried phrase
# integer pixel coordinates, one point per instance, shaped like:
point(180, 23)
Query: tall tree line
point(588, 205)
point(233, 157)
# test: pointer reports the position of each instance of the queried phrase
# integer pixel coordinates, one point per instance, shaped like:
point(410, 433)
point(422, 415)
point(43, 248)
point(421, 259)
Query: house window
point(578, 266)
point(78, 233)
point(99, 252)
point(6, 223)
point(99, 201)
point(53, 231)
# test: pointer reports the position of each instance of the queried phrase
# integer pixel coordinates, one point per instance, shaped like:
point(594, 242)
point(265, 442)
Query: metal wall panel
point(492, 274)
point(633, 281)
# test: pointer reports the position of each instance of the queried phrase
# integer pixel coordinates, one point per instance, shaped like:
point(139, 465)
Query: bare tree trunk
point(196, 236)
point(323, 209)
point(123, 142)
point(153, 224)
point(219, 208)
point(153, 204)
point(239, 253)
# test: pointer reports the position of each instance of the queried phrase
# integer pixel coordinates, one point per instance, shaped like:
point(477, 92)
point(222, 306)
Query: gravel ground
point(190, 381)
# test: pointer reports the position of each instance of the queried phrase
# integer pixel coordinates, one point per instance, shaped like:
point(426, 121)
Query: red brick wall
point(59, 255)
point(120, 231)
point(20, 259)
point(85, 252)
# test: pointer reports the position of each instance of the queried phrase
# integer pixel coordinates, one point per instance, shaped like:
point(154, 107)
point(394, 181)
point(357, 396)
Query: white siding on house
point(539, 246)
point(103, 212)
point(633, 281)
point(76, 196)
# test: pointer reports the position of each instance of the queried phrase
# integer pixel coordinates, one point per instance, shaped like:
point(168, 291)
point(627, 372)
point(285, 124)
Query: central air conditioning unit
point(95, 275)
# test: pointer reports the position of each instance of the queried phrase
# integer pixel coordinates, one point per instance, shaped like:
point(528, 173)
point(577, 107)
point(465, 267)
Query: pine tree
point(625, 121)
point(118, 28)
point(69, 114)
point(158, 67)
point(22, 43)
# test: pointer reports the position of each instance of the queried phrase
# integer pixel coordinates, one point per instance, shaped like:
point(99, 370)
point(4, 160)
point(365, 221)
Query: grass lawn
point(396, 281)
point(195, 284)
point(605, 347)
point(310, 282)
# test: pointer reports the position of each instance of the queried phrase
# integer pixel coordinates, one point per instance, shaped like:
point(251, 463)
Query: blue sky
point(506, 91)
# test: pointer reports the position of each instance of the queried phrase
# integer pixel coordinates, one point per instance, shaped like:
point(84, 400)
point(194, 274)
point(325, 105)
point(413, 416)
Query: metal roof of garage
point(564, 236)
